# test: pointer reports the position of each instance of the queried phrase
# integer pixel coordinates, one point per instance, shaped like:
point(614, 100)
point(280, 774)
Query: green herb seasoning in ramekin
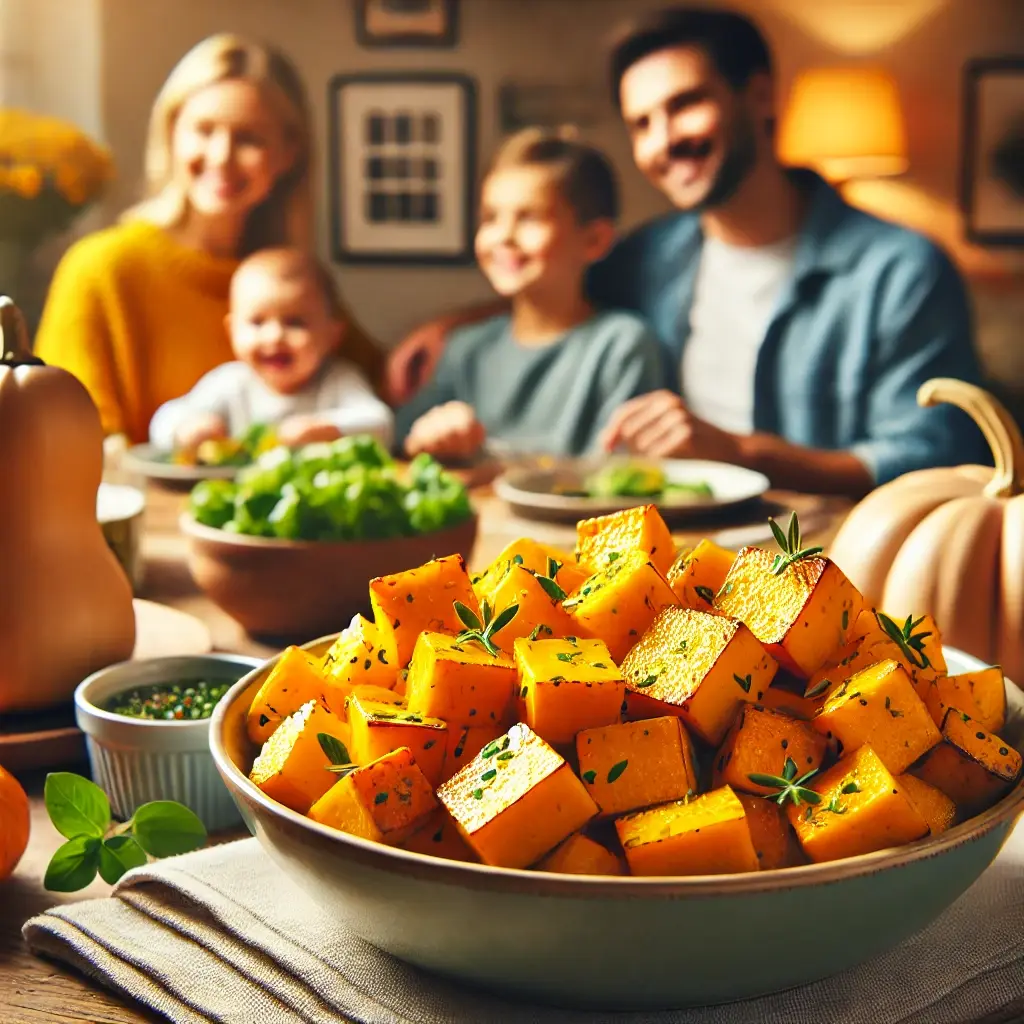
point(182, 701)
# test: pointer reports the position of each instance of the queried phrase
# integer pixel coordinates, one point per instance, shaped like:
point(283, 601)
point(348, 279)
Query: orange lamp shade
point(845, 122)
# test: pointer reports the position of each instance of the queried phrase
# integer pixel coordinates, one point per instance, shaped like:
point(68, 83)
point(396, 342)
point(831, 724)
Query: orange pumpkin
point(949, 542)
point(14, 823)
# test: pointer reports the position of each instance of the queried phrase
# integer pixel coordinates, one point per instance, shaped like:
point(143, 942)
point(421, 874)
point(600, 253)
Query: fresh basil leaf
point(164, 828)
point(77, 806)
point(74, 865)
point(335, 751)
point(119, 854)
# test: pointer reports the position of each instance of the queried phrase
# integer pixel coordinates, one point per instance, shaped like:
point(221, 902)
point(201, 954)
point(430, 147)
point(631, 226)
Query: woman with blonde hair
point(136, 311)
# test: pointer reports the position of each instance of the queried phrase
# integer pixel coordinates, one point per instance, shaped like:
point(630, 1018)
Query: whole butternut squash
point(949, 542)
point(65, 603)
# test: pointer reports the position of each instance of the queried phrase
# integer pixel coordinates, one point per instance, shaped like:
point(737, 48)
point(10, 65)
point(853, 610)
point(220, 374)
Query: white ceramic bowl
point(135, 760)
point(119, 510)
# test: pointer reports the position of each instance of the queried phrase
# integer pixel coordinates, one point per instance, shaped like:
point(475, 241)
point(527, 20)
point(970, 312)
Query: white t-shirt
point(234, 391)
point(735, 294)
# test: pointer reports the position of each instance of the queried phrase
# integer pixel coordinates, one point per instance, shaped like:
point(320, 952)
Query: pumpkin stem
point(998, 426)
point(14, 345)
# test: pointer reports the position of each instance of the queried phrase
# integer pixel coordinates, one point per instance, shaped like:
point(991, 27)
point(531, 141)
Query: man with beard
point(797, 329)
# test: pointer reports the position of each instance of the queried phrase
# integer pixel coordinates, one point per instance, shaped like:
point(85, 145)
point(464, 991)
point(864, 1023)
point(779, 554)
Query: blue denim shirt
point(872, 310)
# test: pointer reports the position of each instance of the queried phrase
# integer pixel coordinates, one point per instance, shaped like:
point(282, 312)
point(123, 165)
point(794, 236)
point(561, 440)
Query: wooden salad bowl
point(567, 939)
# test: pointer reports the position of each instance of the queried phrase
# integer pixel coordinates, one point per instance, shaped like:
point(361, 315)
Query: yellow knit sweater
point(139, 318)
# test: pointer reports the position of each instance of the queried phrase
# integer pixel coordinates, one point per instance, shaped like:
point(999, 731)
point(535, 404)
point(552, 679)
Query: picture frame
point(402, 167)
point(403, 23)
point(992, 171)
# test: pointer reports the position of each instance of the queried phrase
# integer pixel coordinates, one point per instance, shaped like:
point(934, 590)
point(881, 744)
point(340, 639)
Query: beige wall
point(925, 42)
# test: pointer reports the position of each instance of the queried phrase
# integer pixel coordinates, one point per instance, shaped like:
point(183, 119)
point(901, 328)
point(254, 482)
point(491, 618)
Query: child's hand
point(296, 431)
point(207, 427)
point(449, 431)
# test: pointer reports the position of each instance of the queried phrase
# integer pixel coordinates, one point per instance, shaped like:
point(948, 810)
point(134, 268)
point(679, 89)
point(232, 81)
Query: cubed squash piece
point(295, 679)
point(787, 695)
point(801, 616)
point(619, 602)
point(516, 800)
point(409, 603)
point(568, 685)
point(376, 694)
point(982, 695)
point(698, 574)
point(532, 555)
point(760, 742)
point(637, 764)
point(771, 833)
point(377, 729)
point(539, 610)
point(706, 835)
point(640, 528)
point(357, 658)
point(292, 767)
point(464, 743)
point(439, 836)
point(460, 682)
point(385, 800)
point(973, 767)
point(880, 706)
point(698, 665)
point(581, 855)
point(932, 804)
point(861, 809)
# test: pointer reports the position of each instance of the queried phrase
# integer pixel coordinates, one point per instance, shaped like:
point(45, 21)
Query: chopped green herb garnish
point(481, 632)
point(380, 798)
point(744, 682)
point(478, 794)
point(489, 774)
point(909, 642)
point(616, 770)
point(787, 786)
point(851, 787)
point(790, 544)
point(589, 777)
point(706, 593)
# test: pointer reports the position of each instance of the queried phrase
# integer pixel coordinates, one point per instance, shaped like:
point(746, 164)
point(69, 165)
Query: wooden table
point(34, 991)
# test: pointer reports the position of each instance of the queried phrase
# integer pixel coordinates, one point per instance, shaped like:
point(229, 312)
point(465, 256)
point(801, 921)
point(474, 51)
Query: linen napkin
point(223, 935)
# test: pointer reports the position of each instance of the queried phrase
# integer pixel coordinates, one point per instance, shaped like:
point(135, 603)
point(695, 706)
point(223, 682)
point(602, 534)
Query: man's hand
point(412, 363)
point(660, 425)
point(295, 431)
point(206, 427)
point(450, 431)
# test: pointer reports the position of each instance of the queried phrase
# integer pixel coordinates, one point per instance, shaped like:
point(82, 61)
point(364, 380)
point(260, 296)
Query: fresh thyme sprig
point(911, 643)
point(790, 544)
point(788, 786)
point(482, 631)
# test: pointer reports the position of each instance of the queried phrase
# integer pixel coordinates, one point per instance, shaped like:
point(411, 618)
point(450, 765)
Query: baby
point(285, 332)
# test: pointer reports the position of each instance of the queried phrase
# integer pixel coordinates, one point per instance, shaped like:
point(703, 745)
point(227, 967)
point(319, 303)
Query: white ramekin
point(135, 760)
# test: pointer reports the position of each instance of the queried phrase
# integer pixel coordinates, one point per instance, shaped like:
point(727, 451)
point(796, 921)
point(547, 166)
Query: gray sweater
point(552, 398)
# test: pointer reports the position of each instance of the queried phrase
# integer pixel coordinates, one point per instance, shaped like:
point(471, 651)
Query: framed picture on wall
point(992, 184)
point(402, 166)
point(407, 22)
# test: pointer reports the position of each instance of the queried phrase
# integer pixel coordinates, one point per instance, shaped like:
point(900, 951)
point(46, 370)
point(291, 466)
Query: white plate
point(151, 462)
point(532, 488)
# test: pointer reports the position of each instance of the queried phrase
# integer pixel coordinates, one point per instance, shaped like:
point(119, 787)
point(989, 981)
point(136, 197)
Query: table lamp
point(845, 122)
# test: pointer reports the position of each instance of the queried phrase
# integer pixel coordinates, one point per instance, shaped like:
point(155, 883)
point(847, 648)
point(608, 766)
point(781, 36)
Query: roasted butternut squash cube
point(540, 613)
point(581, 855)
point(377, 729)
point(633, 529)
point(357, 658)
point(464, 743)
point(801, 616)
point(759, 742)
point(385, 800)
point(971, 766)
point(421, 600)
point(459, 681)
point(697, 665)
point(619, 602)
point(932, 804)
point(376, 694)
point(637, 764)
point(861, 809)
point(529, 554)
point(439, 836)
point(567, 685)
point(698, 574)
point(880, 706)
point(516, 800)
point(982, 695)
point(292, 767)
point(790, 699)
point(707, 835)
point(295, 679)
point(771, 833)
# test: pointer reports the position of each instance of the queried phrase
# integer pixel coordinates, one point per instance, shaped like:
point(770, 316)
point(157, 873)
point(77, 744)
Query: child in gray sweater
point(546, 376)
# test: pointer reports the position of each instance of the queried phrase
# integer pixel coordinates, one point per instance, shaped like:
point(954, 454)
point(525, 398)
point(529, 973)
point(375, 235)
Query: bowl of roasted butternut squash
point(529, 777)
